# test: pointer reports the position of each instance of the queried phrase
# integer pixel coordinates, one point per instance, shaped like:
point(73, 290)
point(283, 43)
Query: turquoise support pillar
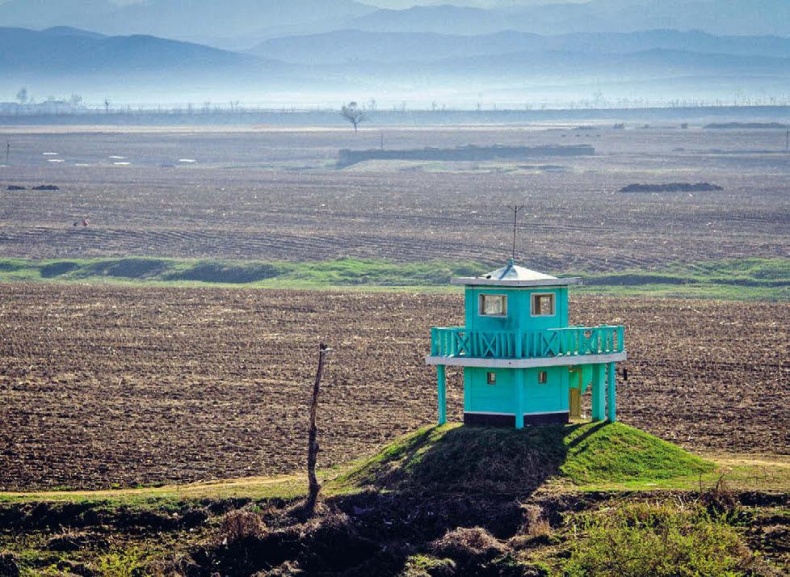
point(521, 382)
point(468, 392)
point(598, 393)
point(442, 378)
point(611, 407)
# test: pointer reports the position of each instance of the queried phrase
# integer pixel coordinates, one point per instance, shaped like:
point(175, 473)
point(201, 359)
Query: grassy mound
point(454, 458)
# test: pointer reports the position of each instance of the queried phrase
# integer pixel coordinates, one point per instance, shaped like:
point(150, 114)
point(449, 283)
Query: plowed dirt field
point(116, 386)
point(276, 196)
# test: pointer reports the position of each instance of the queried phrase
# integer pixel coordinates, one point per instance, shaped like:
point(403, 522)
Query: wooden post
point(312, 448)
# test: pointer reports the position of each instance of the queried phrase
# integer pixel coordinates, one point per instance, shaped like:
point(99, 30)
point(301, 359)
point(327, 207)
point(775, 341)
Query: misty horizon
point(468, 55)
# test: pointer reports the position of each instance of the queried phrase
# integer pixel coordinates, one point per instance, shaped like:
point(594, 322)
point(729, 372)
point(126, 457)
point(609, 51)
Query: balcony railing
point(570, 341)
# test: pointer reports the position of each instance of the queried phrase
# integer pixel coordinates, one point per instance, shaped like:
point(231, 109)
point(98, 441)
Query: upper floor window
point(493, 305)
point(543, 305)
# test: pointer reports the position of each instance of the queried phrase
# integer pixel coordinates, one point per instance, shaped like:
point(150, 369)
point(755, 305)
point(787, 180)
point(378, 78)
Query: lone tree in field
point(22, 96)
point(353, 113)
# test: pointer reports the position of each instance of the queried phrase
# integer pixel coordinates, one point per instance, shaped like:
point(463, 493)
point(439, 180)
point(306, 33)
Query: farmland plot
point(258, 193)
point(112, 385)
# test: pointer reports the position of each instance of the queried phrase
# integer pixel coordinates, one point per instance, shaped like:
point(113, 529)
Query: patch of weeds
point(129, 562)
point(241, 524)
point(535, 531)
point(651, 539)
point(469, 545)
point(722, 502)
point(70, 540)
point(427, 566)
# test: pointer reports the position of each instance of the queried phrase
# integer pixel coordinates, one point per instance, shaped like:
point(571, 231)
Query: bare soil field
point(106, 386)
point(275, 194)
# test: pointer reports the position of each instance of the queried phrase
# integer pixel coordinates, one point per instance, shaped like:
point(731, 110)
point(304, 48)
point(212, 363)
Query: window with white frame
point(543, 305)
point(493, 305)
point(491, 378)
point(543, 377)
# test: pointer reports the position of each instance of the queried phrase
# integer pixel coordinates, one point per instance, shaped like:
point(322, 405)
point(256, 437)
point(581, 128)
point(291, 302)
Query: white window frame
point(481, 305)
point(491, 378)
point(535, 298)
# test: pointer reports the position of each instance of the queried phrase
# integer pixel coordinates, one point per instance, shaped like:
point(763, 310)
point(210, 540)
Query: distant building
point(522, 363)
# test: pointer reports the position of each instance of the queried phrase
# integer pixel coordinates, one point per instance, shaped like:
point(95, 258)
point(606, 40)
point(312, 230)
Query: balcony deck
point(566, 346)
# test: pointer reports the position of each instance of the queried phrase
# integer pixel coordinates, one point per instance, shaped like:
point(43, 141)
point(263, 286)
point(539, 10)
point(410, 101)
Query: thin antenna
point(515, 210)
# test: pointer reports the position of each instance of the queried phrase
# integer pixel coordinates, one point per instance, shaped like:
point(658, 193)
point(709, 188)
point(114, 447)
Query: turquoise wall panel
point(551, 396)
point(485, 398)
point(548, 397)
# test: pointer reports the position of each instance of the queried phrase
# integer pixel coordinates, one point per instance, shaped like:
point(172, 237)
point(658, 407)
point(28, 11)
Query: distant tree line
point(26, 104)
point(355, 113)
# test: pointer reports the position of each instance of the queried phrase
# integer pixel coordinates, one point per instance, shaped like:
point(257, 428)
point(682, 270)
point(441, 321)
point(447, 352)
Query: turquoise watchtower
point(522, 363)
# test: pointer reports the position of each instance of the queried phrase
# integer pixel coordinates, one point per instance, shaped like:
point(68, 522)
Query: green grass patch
point(12, 265)
point(345, 272)
point(618, 453)
point(732, 279)
point(283, 487)
point(374, 273)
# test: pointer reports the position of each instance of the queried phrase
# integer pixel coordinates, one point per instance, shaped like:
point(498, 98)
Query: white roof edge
point(481, 281)
point(561, 361)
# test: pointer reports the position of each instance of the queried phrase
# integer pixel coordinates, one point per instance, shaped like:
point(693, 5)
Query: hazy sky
point(481, 3)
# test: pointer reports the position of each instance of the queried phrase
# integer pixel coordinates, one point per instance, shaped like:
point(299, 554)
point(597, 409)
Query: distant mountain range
point(231, 24)
point(736, 17)
point(355, 45)
point(343, 50)
point(65, 50)
point(239, 24)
